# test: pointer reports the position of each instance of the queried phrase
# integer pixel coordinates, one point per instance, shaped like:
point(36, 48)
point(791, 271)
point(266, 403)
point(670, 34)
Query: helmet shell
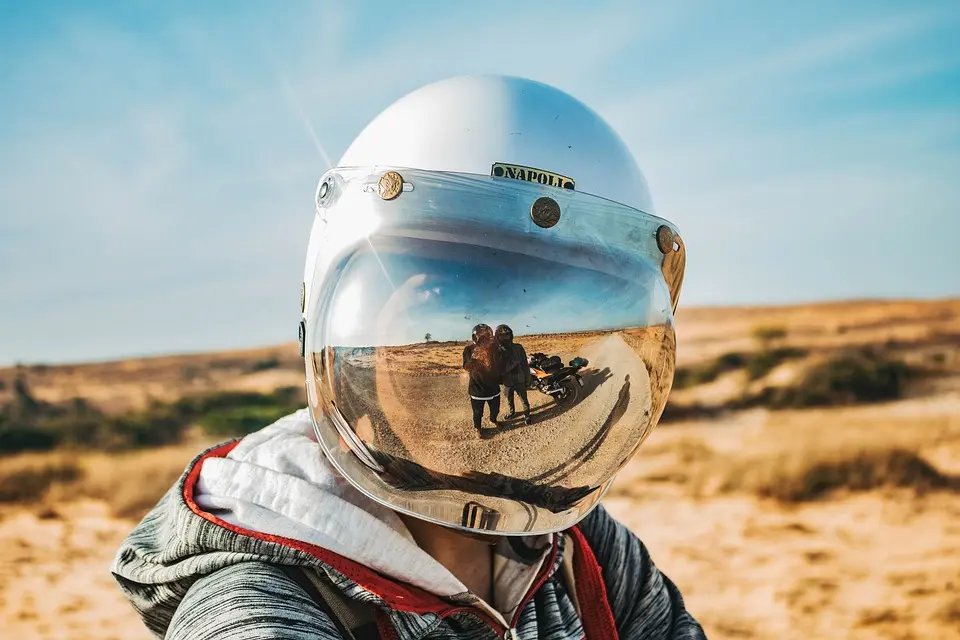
point(469, 123)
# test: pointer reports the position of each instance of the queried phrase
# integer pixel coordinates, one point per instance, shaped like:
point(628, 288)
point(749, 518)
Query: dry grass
point(133, 385)
point(27, 479)
point(812, 469)
point(815, 474)
point(130, 482)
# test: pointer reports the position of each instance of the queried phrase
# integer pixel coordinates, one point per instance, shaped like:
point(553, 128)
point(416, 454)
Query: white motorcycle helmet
point(486, 201)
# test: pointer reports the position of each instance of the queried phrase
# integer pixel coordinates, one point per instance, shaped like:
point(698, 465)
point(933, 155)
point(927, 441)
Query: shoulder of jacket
point(251, 599)
point(644, 602)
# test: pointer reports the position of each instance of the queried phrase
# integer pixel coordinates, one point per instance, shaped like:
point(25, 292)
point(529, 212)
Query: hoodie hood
point(278, 481)
point(273, 497)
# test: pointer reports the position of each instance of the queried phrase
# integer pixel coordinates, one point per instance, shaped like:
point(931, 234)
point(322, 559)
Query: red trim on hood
point(399, 596)
point(545, 572)
point(595, 610)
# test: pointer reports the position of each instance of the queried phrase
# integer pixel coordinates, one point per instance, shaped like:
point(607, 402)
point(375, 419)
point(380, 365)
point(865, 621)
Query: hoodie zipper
point(510, 633)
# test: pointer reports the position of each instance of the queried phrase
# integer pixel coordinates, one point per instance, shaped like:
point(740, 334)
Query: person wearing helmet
point(483, 361)
point(517, 375)
point(372, 513)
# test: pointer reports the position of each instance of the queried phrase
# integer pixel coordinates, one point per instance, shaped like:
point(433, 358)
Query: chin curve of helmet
point(474, 202)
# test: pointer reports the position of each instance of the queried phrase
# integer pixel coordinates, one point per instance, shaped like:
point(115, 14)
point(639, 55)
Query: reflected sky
point(394, 292)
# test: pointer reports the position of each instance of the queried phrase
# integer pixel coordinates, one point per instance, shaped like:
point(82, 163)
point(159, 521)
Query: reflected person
point(484, 362)
point(517, 372)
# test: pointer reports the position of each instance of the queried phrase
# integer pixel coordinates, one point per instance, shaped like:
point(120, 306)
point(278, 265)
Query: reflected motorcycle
point(550, 376)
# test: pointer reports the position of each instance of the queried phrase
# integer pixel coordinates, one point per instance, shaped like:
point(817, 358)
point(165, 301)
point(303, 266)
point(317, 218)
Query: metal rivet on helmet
point(325, 192)
point(666, 239)
point(545, 212)
point(390, 185)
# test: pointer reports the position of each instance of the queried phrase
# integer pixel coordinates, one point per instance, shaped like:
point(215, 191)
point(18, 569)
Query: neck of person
point(468, 557)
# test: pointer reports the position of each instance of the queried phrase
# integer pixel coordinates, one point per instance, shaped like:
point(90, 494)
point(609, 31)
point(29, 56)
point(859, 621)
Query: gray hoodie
point(214, 559)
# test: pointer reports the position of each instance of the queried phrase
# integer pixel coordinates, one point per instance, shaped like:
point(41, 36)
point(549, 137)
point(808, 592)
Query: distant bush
point(191, 372)
point(265, 365)
point(29, 425)
point(859, 471)
point(763, 362)
point(686, 377)
point(675, 412)
point(240, 421)
point(235, 415)
point(766, 334)
point(200, 405)
point(15, 437)
point(55, 477)
point(28, 483)
point(849, 378)
point(799, 474)
point(756, 364)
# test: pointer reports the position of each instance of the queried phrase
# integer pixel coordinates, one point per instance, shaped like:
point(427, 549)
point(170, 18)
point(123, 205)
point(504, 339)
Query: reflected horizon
point(394, 291)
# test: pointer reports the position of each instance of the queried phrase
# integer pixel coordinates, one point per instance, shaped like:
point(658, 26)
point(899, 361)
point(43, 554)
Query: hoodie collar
point(277, 482)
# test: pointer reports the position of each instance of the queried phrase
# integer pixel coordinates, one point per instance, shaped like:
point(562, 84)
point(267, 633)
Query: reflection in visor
point(428, 409)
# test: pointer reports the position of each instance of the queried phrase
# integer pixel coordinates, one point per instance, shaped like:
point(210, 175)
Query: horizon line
point(827, 302)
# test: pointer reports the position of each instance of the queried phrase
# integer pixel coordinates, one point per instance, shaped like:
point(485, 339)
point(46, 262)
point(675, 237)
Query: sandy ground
point(875, 565)
point(54, 575)
point(429, 418)
point(867, 566)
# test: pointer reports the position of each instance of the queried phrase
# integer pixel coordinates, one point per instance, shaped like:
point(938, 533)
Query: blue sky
point(158, 159)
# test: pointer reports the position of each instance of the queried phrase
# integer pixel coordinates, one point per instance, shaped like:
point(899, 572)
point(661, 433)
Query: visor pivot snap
point(665, 239)
point(302, 335)
point(390, 185)
point(545, 212)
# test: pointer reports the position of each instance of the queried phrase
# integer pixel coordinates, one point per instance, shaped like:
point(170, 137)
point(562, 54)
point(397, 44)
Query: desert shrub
point(764, 361)
point(756, 364)
point(29, 425)
point(800, 480)
point(686, 377)
point(676, 412)
point(265, 365)
point(239, 414)
point(766, 334)
point(24, 404)
point(53, 477)
point(193, 407)
point(25, 483)
point(158, 425)
point(16, 437)
point(801, 474)
point(80, 426)
point(853, 377)
point(240, 421)
point(191, 372)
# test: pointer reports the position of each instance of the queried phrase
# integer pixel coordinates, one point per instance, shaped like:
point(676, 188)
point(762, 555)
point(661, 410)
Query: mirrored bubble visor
point(419, 396)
